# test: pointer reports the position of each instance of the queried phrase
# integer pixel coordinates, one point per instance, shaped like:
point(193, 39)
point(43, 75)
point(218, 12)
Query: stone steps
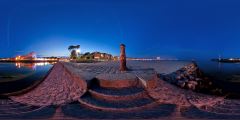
point(118, 81)
point(227, 109)
point(223, 108)
point(116, 99)
point(123, 94)
point(232, 102)
point(195, 113)
point(15, 107)
point(91, 101)
point(18, 110)
point(11, 104)
point(80, 111)
point(110, 91)
point(108, 97)
point(229, 106)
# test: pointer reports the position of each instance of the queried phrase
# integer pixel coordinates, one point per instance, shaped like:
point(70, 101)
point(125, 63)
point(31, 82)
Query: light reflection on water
point(223, 75)
point(32, 66)
point(18, 76)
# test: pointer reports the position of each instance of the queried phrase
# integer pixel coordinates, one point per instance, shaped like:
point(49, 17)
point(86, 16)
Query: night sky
point(183, 29)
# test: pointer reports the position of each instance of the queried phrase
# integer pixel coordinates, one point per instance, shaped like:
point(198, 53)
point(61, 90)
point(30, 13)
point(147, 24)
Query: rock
point(178, 77)
point(192, 85)
point(181, 84)
point(193, 82)
point(189, 77)
point(198, 79)
point(182, 75)
point(192, 78)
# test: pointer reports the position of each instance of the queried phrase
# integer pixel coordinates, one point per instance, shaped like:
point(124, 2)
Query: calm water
point(17, 76)
point(224, 75)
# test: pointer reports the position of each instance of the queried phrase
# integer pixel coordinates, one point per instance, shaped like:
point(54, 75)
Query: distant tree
point(87, 53)
point(70, 48)
point(77, 46)
point(87, 56)
point(73, 50)
point(73, 54)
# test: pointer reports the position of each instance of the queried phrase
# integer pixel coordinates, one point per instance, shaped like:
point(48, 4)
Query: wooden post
point(123, 62)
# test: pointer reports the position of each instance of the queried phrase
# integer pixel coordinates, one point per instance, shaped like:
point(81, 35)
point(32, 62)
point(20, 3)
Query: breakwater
point(189, 77)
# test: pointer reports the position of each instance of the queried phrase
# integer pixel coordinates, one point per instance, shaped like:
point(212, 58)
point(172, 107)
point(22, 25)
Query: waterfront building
point(102, 56)
point(30, 56)
point(115, 58)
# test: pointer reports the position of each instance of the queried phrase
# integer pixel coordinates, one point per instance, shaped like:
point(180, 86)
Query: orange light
point(18, 58)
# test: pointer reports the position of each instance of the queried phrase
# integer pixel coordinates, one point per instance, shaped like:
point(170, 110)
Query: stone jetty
point(102, 91)
point(59, 87)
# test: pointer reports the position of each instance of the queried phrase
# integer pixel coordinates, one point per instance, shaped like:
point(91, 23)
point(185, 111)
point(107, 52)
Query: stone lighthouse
point(123, 62)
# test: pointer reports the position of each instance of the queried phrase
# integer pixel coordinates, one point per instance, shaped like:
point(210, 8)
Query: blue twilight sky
point(184, 29)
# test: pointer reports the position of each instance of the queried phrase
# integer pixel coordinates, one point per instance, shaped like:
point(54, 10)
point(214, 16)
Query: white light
point(78, 51)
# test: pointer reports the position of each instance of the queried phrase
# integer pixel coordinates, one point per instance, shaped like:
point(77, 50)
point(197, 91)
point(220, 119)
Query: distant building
point(101, 56)
point(30, 56)
point(115, 58)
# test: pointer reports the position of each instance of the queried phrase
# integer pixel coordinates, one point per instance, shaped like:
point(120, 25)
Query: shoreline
point(230, 60)
point(27, 61)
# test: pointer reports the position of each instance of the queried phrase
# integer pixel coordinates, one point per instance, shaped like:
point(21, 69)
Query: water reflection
point(20, 75)
point(32, 66)
point(219, 66)
point(224, 75)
